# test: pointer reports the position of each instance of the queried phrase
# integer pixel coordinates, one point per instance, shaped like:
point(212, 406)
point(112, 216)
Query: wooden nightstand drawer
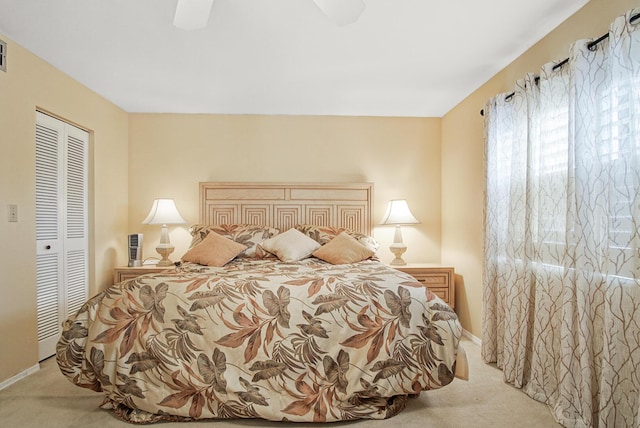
point(439, 279)
point(123, 273)
point(441, 292)
point(432, 280)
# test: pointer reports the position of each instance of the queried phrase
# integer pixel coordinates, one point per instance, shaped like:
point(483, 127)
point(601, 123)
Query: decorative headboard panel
point(283, 205)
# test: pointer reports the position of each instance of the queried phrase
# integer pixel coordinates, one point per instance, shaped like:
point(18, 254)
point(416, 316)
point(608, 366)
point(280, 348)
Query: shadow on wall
point(110, 258)
point(461, 310)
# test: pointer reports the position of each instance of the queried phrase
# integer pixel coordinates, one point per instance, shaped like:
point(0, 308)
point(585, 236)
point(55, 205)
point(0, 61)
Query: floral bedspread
point(305, 341)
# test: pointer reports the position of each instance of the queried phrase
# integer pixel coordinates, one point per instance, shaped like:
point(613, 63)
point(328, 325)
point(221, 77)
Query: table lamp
point(398, 214)
point(164, 212)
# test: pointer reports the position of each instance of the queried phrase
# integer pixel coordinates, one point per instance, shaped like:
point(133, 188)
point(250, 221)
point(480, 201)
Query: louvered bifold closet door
point(61, 226)
point(49, 134)
point(75, 238)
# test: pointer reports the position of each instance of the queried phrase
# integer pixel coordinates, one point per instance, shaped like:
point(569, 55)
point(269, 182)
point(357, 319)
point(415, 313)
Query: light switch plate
point(12, 213)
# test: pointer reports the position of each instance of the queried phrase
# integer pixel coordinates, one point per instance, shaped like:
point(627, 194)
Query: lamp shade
point(164, 211)
point(399, 213)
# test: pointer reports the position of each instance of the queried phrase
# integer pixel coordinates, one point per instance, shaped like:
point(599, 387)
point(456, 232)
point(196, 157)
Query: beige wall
point(462, 152)
point(169, 154)
point(31, 83)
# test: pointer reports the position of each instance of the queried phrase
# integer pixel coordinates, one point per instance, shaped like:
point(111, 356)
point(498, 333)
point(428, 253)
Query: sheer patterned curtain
point(562, 246)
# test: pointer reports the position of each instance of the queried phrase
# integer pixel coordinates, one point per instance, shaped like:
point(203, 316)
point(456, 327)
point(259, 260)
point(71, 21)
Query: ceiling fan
point(194, 14)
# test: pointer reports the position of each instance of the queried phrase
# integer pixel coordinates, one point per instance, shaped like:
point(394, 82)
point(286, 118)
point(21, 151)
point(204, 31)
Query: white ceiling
point(401, 58)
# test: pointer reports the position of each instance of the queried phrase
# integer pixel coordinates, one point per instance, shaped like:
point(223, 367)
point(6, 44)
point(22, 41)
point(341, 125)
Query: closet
point(62, 254)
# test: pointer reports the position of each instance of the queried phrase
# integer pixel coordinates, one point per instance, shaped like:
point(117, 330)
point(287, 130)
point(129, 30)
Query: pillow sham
point(214, 250)
point(291, 246)
point(324, 234)
point(343, 249)
point(247, 234)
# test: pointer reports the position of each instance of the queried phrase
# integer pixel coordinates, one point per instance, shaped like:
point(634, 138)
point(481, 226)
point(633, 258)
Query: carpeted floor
point(47, 399)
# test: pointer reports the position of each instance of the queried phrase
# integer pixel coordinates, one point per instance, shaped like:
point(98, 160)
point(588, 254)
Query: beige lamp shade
point(164, 212)
point(398, 212)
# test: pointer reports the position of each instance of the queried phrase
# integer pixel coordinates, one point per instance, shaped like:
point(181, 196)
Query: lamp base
point(164, 252)
point(398, 250)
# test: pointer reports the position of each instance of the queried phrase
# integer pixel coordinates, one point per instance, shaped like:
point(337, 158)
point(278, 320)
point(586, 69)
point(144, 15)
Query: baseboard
point(19, 376)
point(471, 337)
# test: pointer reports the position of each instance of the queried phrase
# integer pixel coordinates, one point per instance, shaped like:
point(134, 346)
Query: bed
point(280, 311)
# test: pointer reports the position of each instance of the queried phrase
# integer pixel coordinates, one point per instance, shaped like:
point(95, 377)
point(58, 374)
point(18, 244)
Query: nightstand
point(125, 272)
point(439, 279)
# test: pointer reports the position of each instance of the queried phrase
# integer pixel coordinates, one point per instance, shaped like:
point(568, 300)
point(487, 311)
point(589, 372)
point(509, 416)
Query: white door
point(61, 226)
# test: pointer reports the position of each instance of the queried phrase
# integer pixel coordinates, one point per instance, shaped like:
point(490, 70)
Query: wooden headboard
point(283, 205)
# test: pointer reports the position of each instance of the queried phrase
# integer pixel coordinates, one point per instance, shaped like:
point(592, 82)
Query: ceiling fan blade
point(192, 14)
point(341, 12)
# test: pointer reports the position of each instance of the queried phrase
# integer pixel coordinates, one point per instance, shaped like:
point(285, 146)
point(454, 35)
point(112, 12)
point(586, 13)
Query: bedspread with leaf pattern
point(305, 341)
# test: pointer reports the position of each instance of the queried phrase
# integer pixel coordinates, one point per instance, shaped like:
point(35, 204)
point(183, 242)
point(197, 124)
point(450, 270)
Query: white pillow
point(291, 245)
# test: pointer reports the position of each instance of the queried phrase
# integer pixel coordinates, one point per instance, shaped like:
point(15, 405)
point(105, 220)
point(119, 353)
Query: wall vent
point(3, 55)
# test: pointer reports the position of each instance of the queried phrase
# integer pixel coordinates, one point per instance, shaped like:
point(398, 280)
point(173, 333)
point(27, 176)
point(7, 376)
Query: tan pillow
point(291, 246)
point(246, 234)
point(324, 234)
point(343, 249)
point(214, 250)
